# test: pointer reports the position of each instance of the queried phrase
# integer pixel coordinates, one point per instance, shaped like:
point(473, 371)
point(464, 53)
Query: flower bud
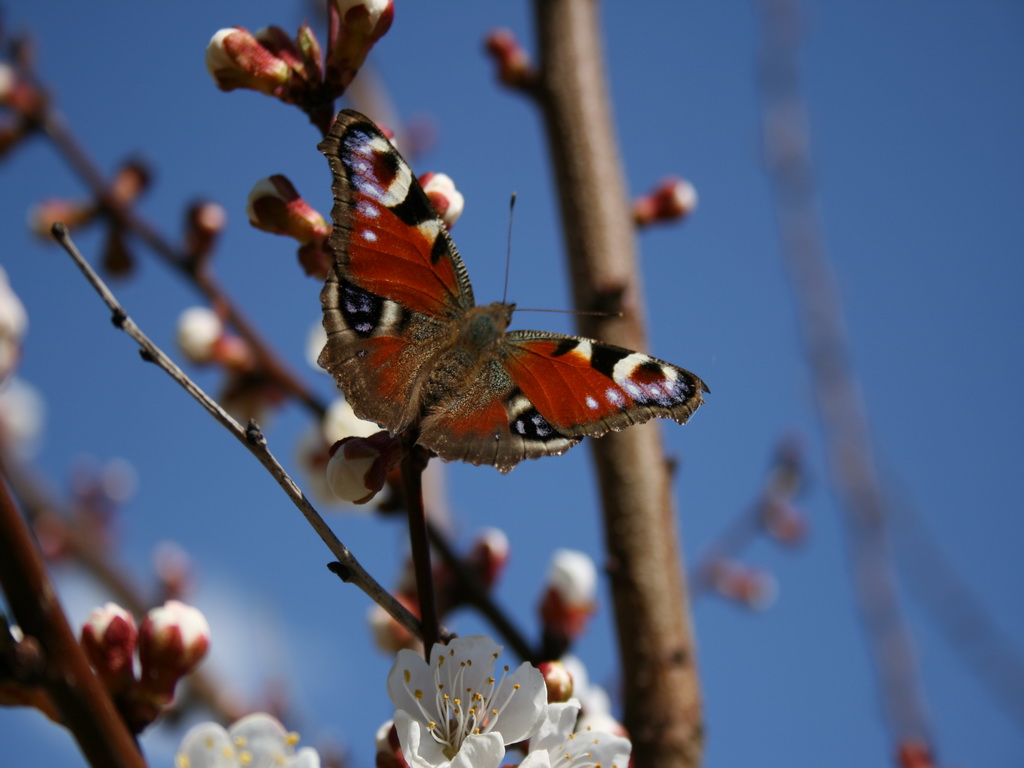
point(22, 413)
point(514, 67)
point(742, 584)
point(203, 223)
point(309, 50)
point(569, 599)
point(236, 59)
point(446, 199)
point(359, 466)
point(388, 635)
point(108, 638)
point(172, 640)
point(389, 751)
point(131, 180)
point(784, 521)
point(43, 216)
point(199, 329)
point(275, 207)
point(672, 199)
point(489, 555)
point(557, 680)
point(914, 753)
point(316, 259)
point(117, 258)
point(8, 80)
point(13, 324)
point(340, 421)
point(361, 24)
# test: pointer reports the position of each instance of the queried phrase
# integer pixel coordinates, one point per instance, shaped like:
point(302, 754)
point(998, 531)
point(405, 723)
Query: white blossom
point(558, 744)
point(455, 712)
point(255, 741)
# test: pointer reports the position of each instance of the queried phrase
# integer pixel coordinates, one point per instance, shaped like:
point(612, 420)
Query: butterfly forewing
point(387, 237)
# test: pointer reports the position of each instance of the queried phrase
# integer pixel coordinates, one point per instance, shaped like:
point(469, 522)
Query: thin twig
point(854, 471)
point(347, 567)
point(199, 273)
point(413, 465)
point(479, 597)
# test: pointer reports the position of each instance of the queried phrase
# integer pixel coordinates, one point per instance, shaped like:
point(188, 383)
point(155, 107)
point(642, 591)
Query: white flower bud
point(199, 329)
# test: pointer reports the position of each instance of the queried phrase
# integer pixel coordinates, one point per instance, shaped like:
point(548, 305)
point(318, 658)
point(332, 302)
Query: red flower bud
point(671, 200)
point(569, 599)
point(446, 199)
point(108, 638)
point(203, 223)
point(236, 59)
point(172, 640)
point(275, 207)
point(514, 67)
point(489, 555)
point(359, 24)
point(558, 681)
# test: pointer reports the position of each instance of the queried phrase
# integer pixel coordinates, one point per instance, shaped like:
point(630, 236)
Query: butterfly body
point(408, 345)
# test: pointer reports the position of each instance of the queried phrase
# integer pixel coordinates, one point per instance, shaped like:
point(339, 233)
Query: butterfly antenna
point(508, 254)
point(584, 313)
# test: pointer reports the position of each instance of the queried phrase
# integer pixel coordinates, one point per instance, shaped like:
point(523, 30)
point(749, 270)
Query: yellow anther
point(291, 739)
point(515, 687)
point(418, 693)
point(182, 761)
point(407, 675)
point(245, 757)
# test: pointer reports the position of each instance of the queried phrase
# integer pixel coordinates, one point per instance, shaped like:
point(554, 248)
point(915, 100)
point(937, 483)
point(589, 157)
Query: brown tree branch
point(656, 647)
point(42, 510)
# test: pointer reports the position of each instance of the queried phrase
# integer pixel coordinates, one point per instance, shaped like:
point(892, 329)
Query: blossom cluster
point(170, 642)
point(456, 710)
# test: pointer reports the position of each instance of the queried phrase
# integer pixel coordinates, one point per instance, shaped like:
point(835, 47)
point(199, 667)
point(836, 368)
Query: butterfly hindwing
point(587, 388)
point(377, 351)
point(492, 422)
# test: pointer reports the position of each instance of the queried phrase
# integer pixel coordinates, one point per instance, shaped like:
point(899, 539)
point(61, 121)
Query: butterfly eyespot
point(591, 403)
point(369, 236)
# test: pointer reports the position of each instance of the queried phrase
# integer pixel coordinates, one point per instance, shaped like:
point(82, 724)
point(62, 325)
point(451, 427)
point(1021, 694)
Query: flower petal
point(482, 750)
point(206, 745)
point(525, 709)
point(418, 748)
point(559, 723)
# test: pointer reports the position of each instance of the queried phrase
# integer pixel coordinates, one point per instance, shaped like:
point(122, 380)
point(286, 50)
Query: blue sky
point(916, 112)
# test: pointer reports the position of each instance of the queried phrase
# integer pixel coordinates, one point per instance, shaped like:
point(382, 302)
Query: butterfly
point(410, 348)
